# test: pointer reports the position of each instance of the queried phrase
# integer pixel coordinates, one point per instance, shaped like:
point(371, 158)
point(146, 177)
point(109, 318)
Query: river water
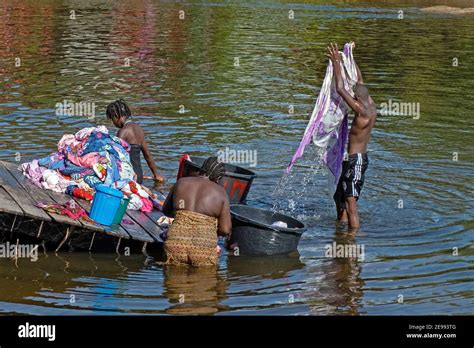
point(245, 77)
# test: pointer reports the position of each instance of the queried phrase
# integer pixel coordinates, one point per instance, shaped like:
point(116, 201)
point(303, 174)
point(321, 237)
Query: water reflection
point(275, 266)
point(193, 290)
point(342, 276)
point(55, 277)
point(174, 62)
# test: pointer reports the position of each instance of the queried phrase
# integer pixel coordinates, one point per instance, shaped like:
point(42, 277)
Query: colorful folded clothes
point(90, 157)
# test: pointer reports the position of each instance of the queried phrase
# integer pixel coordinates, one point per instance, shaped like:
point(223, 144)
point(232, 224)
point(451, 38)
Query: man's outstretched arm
point(333, 54)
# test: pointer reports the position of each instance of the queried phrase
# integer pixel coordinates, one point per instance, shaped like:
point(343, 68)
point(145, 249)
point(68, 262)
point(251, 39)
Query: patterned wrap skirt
point(192, 239)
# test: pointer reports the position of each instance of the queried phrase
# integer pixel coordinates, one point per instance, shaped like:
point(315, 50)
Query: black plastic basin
point(236, 181)
point(253, 233)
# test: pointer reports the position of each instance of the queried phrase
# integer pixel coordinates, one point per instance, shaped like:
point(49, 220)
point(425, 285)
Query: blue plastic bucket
point(106, 203)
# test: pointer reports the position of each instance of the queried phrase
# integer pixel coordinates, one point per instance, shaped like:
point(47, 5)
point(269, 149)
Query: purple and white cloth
point(328, 126)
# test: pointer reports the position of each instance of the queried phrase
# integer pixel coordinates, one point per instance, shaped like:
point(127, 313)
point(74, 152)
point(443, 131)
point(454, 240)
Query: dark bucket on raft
point(253, 233)
point(236, 181)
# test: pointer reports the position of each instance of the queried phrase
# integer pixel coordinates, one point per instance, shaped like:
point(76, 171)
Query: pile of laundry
point(89, 158)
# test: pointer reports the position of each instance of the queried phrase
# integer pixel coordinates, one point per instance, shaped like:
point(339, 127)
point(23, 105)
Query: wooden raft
point(19, 197)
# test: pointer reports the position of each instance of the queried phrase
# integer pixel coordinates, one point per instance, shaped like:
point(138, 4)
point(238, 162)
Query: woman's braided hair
point(118, 109)
point(213, 169)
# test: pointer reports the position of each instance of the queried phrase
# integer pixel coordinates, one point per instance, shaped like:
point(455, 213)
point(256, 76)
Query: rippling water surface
point(184, 87)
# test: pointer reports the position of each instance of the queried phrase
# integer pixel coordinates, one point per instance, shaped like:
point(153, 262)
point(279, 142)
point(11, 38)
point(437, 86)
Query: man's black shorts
point(352, 177)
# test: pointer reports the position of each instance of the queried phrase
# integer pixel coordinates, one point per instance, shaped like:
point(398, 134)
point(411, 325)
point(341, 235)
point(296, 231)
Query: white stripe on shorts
point(357, 174)
point(358, 167)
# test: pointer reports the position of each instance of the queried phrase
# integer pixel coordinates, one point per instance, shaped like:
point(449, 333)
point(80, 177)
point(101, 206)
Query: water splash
point(296, 192)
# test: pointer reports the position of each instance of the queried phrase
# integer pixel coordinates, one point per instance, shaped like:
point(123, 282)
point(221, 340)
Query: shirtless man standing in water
point(353, 170)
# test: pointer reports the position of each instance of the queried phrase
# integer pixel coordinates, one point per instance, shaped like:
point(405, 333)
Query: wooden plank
point(8, 205)
point(135, 230)
point(147, 223)
point(86, 205)
point(115, 231)
point(154, 215)
point(20, 196)
point(38, 194)
point(61, 198)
